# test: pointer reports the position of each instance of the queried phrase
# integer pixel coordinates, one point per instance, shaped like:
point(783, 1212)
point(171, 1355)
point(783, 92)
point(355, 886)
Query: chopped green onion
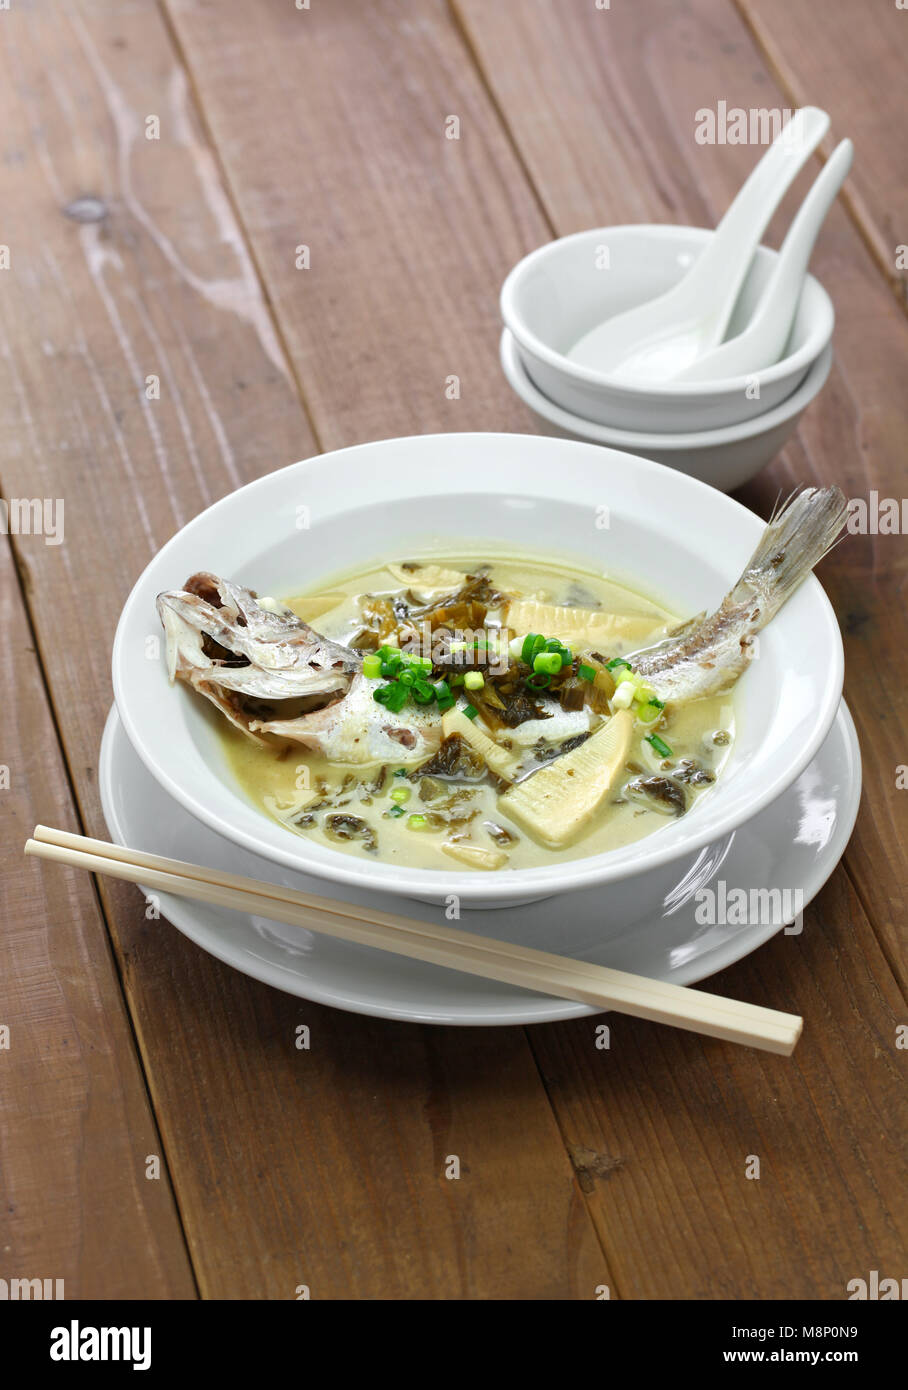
point(515, 648)
point(539, 680)
point(422, 692)
point(389, 669)
point(393, 696)
point(443, 695)
point(615, 662)
point(547, 663)
point(406, 678)
point(474, 680)
point(470, 711)
point(417, 822)
point(372, 664)
point(400, 794)
point(624, 696)
point(649, 712)
point(660, 745)
point(400, 772)
point(456, 680)
point(396, 812)
point(586, 673)
point(416, 663)
point(532, 643)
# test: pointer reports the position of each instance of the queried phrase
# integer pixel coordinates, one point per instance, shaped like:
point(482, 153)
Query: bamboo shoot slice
point(475, 856)
point(555, 803)
point(581, 626)
point(497, 759)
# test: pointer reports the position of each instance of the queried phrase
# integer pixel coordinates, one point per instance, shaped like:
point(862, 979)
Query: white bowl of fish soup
point(526, 507)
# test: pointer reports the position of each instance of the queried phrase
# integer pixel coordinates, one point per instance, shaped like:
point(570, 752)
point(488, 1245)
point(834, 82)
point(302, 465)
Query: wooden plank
point(852, 62)
point(663, 1159)
point(321, 1168)
point(331, 123)
point(646, 71)
point(664, 1128)
point(76, 1128)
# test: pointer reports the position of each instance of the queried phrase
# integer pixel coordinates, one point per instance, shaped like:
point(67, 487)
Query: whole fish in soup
point(487, 713)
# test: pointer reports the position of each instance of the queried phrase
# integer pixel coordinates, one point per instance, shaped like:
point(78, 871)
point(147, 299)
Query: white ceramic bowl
point(667, 533)
point(559, 292)
point(724, 458)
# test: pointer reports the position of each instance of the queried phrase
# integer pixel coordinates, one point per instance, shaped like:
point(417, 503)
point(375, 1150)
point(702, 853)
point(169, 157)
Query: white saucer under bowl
point(793, 846)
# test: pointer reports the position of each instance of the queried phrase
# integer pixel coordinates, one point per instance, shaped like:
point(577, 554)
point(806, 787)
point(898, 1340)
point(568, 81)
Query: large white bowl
point(725, 458)
point(667, 532)
point(559, 292)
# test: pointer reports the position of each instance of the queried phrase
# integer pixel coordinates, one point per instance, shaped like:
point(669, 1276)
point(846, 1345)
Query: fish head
point(235, 649)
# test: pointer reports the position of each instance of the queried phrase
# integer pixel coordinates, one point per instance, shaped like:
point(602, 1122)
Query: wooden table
point(163, 341)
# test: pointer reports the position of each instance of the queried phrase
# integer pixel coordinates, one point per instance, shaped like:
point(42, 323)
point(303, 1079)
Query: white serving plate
point(793, 844)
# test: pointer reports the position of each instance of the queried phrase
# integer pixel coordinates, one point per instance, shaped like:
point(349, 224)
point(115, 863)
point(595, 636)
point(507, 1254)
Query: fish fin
point(802, 530)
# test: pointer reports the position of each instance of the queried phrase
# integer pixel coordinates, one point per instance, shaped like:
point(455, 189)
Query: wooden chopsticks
point(562, 976)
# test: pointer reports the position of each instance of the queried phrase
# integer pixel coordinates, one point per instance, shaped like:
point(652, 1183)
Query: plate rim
point(548, 1008)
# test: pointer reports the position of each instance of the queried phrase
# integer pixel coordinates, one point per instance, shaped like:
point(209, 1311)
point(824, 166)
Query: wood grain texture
point(667, 1158)
point(75, 1124)
point(850, 59)
point(322, 1168)
point(646, 71)
point(331, 124)
point(663, 1128)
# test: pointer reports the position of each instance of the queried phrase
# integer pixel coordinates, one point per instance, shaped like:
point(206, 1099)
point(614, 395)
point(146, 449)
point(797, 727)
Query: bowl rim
point(788, 366)
point(751, 428)
point(511, 885)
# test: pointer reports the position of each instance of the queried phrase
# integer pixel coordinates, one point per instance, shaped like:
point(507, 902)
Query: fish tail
point(799, 533)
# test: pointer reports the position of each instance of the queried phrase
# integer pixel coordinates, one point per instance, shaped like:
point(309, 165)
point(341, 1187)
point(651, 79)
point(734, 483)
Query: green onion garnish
point(615, 662)
point(423, 693)
point(470, 711)
point(396, 812)
point(474, 680)
point(547, 663)
point(400, 794)
point(416, 663)
point(539, 680)
point(659, 744)
point(417, 822)
point(533, 642)
point(372, 666)
point(586, 673)
point(400, 772)
point(647, 713)
point(443, 695)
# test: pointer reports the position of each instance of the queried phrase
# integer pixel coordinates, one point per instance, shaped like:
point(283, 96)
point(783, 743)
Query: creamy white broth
point(275, 775)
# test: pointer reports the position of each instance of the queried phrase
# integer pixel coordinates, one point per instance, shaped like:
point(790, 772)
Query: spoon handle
point(784, 287)
point(762, 342)
point(725, 262)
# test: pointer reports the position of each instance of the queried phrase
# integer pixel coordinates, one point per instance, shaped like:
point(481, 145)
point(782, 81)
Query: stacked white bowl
point(721, 431)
